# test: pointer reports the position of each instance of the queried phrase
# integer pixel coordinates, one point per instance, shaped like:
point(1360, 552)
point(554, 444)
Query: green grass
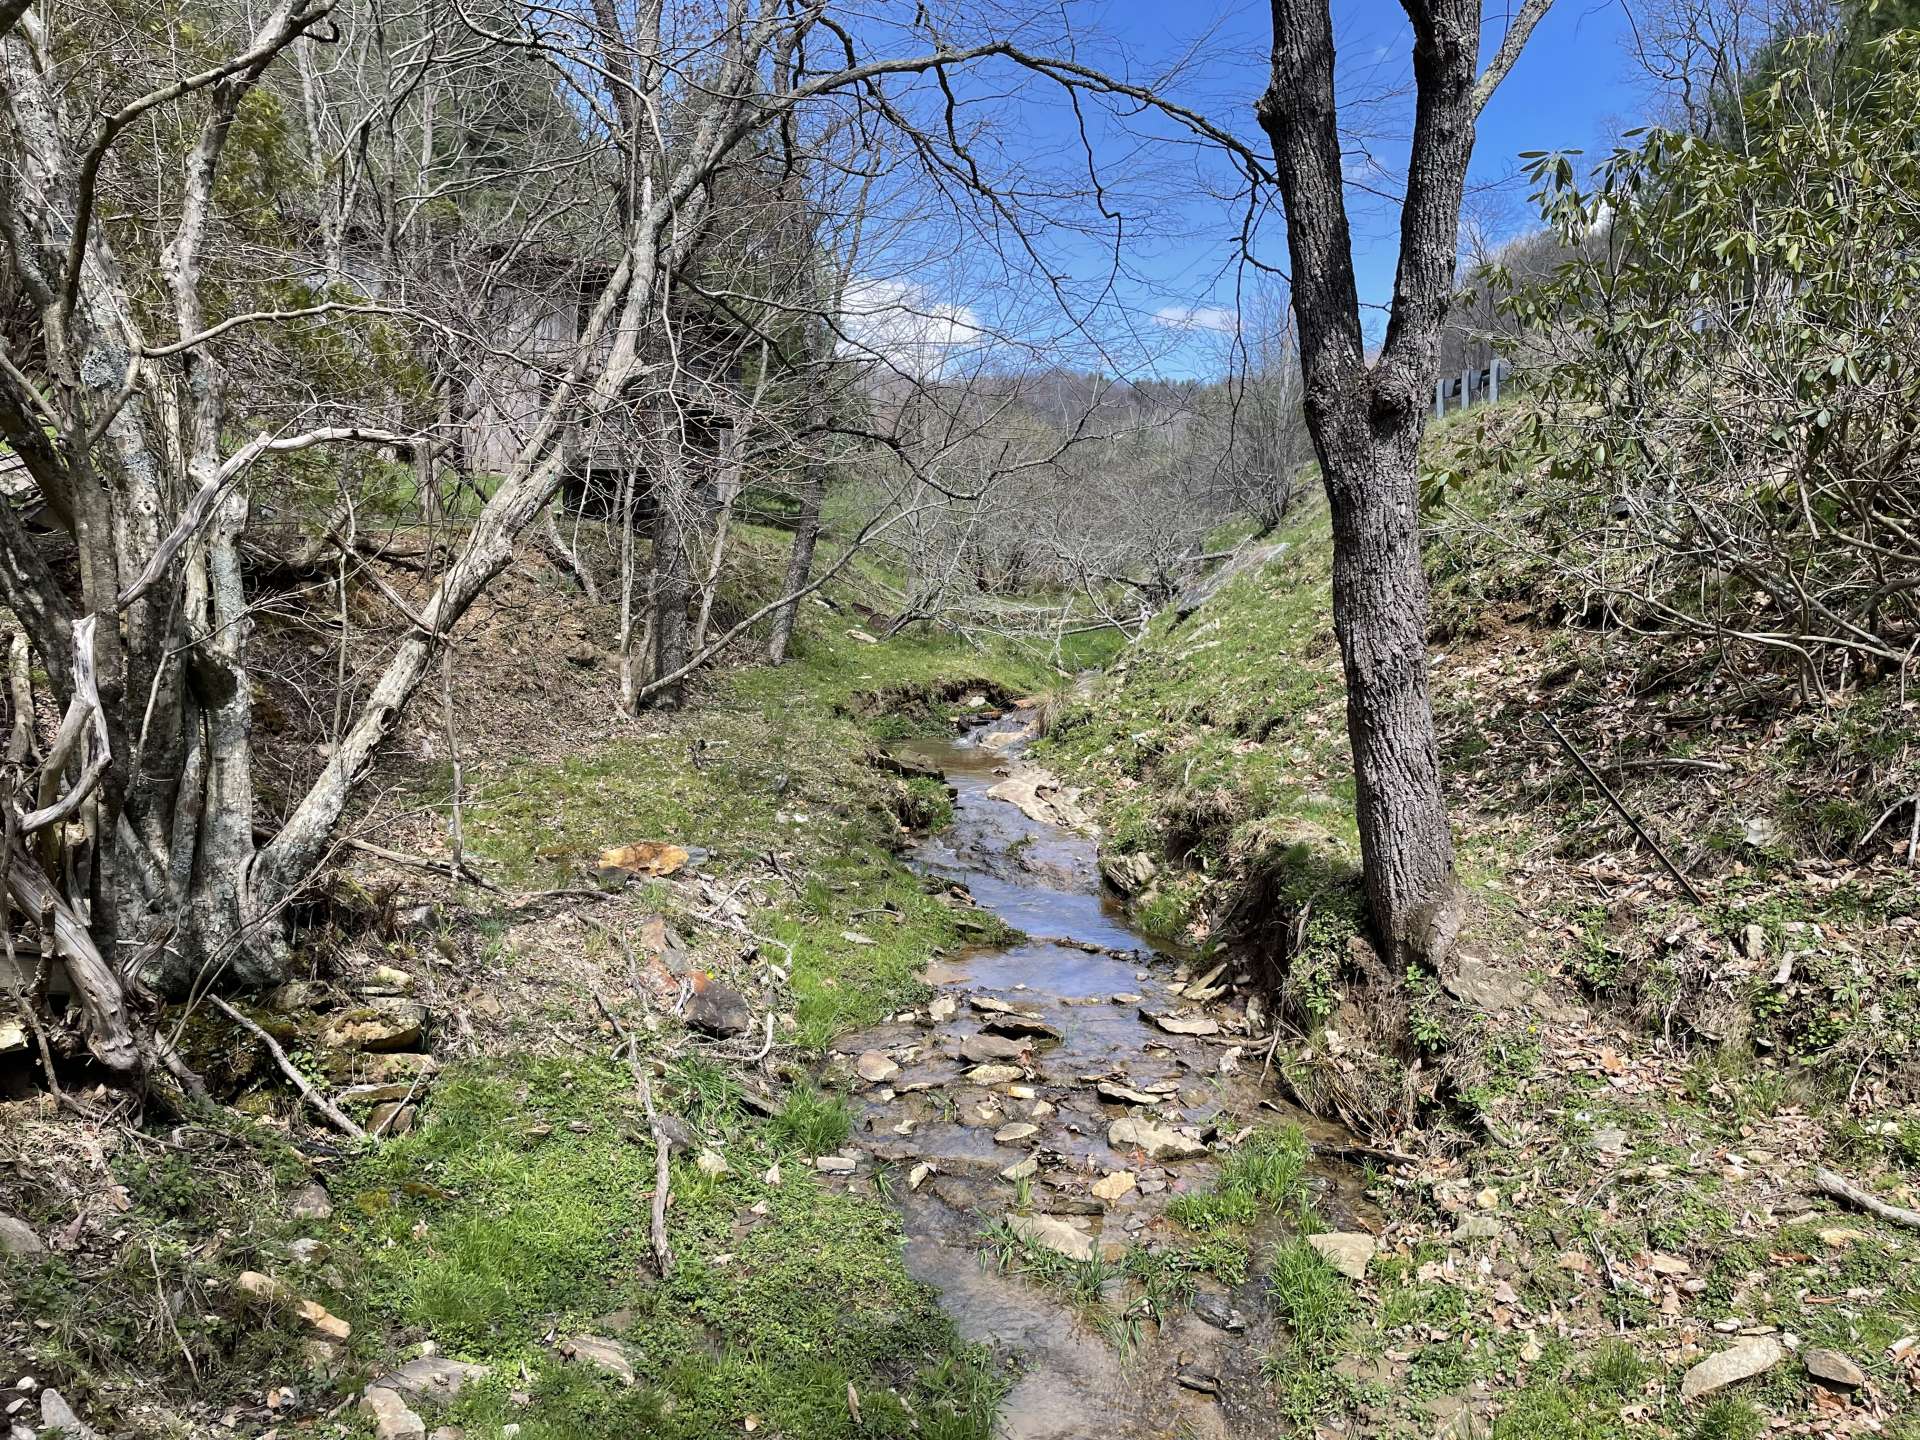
point(471, 1231)
point(1265, 1176)
point(812, 1121)
point(1317, 1307)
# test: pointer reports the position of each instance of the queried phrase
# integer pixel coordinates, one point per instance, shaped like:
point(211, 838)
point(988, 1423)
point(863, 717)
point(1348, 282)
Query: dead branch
point(1625, 814)
point(1841, 1188)
point(334, 1115)
point(458, 870)
point(662, 1175)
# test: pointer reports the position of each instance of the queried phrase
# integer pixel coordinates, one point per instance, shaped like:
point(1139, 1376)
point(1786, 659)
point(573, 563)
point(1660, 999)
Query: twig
point(1273, 1047)
point(160, 1294)
point(1625, 814)
point(662, 1179)
point(459, 870)
point(456, 826)
point(1842, 1188)
point(766, 1045)
point(313, 1097)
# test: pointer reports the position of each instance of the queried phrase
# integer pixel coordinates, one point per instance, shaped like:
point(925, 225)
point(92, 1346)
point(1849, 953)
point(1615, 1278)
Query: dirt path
point(1065, 1089)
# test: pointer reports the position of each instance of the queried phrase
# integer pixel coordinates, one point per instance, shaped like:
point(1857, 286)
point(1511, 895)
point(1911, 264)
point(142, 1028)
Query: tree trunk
point(806, 536)
point(671, 579)
point(1367, 419)
point(1380, 617)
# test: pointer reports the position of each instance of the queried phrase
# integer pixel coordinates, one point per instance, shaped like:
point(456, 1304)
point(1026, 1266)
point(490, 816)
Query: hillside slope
point(1615, 1097)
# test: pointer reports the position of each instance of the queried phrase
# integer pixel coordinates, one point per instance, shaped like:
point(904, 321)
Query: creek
point(1080, 999)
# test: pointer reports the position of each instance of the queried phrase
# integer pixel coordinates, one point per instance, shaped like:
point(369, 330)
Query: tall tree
point(1367, 419)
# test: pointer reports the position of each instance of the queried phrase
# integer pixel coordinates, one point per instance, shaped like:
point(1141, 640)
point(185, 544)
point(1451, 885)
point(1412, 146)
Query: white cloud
point(1216, 318)
point(900, 323)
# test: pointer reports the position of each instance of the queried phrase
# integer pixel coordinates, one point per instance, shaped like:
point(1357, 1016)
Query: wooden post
point(1439, 399)
point(1493, 379)
point(1466, 389)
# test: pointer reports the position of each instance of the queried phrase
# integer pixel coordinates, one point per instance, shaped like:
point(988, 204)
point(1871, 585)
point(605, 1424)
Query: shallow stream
point(1083, 985)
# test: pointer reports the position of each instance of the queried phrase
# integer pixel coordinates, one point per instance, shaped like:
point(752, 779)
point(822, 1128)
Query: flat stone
point(1020, 1027)
point(1183, 1024)
point(18, 1238)
point(941, 1009)
point(994, 1005)
point(307, 1251)
point(1832, 1368)
point(1018, 1130)
point(1022, 1169)
point(57, 1415)
point(1740, 1361)
point(377, 1023)
point(1195, 1378)
point(990, 1048)
point(711, 1163)
point(432, 1377)
point(917, 1176)
point(1157, 1141)
point(836, 1165)
point(392, 1419)
point(1113, 1185)
point(322, 1321)
point(392, 1118)
point(1218, 1312)
point(994, 1074)
point(1046, 1233)
point(1115, 1093)
point(875, 1066)
point(597, 1350)
point(1347, 1251)
point(720, 1010)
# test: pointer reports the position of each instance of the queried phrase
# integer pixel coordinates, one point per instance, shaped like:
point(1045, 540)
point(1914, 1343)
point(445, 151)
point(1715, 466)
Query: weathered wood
point(103, 1003)
point(1841, 1188)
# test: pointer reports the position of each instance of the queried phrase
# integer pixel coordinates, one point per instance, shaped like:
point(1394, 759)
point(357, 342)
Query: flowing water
point(1104, 1368)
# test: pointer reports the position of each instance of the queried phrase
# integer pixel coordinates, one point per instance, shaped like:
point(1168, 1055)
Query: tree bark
point(1367, 419)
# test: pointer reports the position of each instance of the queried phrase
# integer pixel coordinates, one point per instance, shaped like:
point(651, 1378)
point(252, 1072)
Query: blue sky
point(1572, 89)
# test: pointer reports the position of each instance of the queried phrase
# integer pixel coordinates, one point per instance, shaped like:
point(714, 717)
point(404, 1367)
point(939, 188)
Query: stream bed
point(999, 1102)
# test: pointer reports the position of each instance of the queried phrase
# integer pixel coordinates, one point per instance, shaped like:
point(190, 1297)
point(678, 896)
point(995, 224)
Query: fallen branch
point(459, 870)
point(662, 1178)
point(1625, 814)
point(337, 1117)
point(1842, 1188)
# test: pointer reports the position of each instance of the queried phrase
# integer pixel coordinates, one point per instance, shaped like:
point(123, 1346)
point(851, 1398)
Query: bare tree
point(1367, 418)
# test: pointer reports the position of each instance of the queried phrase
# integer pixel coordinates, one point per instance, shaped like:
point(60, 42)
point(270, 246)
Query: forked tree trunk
point(1367, 419)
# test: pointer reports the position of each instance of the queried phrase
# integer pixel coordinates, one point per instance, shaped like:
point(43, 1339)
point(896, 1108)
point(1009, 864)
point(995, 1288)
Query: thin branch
point(337, 1117)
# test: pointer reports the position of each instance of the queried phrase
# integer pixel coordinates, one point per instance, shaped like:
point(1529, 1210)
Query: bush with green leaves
point(1722, 437)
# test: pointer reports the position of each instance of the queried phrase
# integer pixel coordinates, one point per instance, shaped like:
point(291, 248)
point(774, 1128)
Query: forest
point(773, 717)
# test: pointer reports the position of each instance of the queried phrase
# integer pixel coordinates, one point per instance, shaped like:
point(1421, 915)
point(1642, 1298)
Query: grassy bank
point(514, 1216)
